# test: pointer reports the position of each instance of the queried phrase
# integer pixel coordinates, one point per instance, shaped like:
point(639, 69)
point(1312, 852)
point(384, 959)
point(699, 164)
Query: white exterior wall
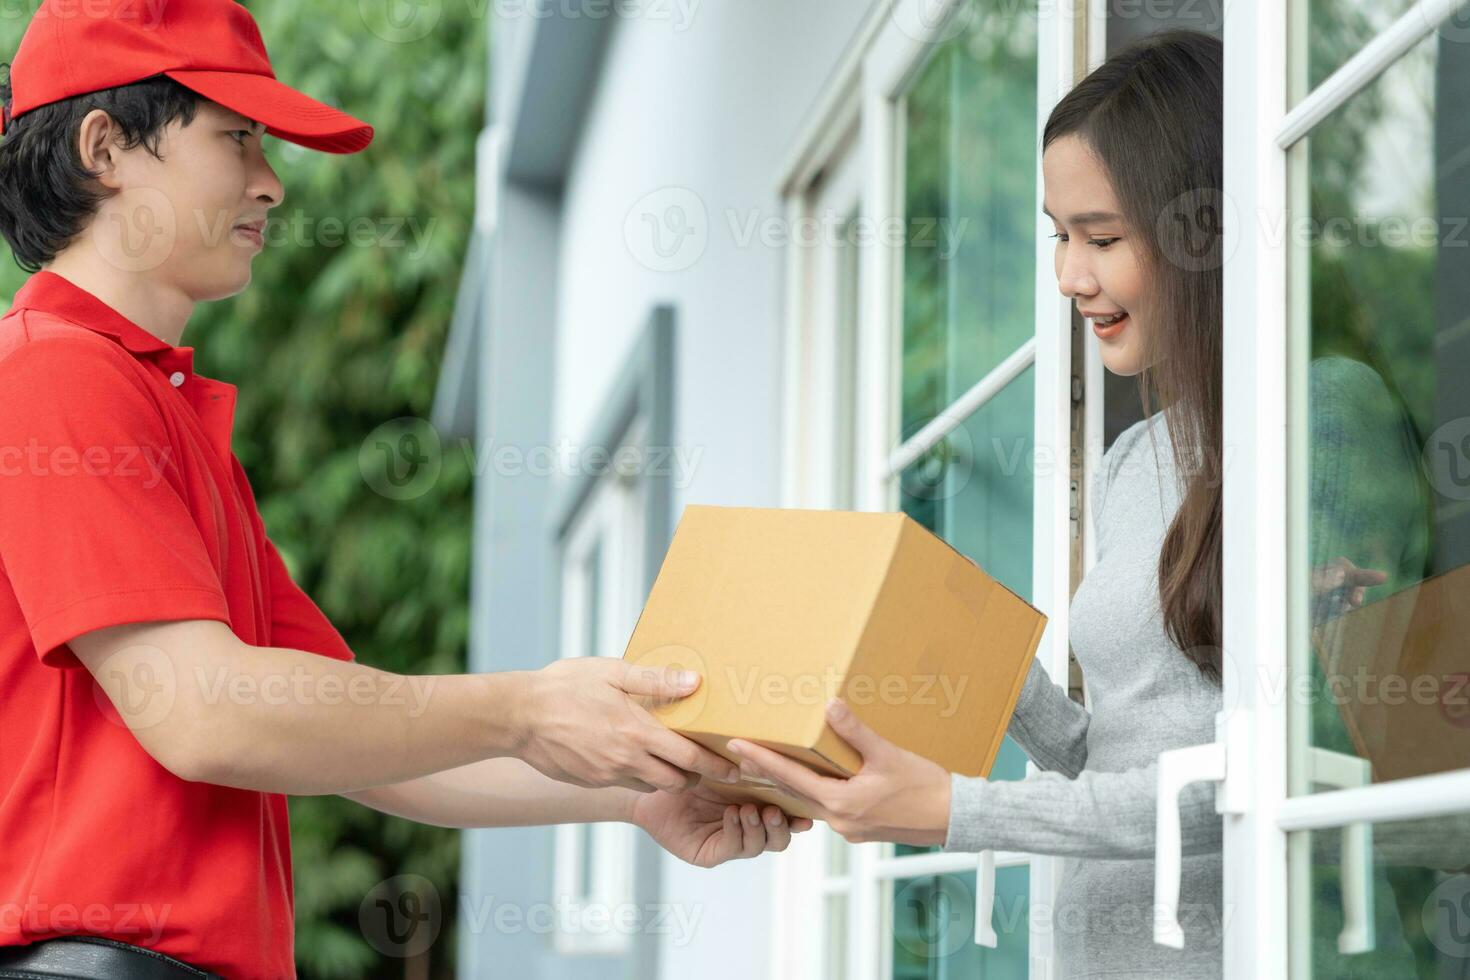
point(713, 108)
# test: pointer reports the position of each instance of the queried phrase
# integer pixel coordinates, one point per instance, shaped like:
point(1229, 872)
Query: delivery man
point(165, 683)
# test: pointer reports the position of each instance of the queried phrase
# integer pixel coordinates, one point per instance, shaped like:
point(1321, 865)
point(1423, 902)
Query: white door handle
point(1177, 769)
point(985, 900)
point(1337, 771)
point(1357, 935)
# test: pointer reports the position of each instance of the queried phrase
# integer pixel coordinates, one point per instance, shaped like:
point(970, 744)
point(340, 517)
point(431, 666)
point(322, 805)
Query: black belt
point(93, 958)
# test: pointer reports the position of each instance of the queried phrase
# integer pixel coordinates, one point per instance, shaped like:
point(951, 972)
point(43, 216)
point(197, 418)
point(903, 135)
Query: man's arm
point(695, 826)
point(496, 793)
point(211, 708)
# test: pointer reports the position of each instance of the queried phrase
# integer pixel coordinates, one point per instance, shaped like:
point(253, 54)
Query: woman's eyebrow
point(1087, 217)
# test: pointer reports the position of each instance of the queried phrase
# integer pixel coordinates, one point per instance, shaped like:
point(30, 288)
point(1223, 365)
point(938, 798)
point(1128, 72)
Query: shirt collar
point(213, 401)
point(55, 294)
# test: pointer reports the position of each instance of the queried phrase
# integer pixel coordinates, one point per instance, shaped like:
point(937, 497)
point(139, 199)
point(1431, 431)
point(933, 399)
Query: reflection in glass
point(1380, 661)
point(1411, 881)
point(1388, 433)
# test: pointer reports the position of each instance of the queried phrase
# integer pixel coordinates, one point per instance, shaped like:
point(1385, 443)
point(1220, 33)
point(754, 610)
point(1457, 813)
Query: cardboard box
point(1398, 670)
point(779, 610)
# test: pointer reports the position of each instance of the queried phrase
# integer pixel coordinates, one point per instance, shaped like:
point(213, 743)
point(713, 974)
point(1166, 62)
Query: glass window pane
point(933, 921)
point(1414, 888)
point(970, 203)
point(1380, 272)
point(973, 489)
point(1335, 30)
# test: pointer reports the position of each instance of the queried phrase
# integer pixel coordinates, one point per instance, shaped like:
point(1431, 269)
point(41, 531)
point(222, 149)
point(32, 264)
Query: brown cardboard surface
point(781, 609)
point(1377, 655)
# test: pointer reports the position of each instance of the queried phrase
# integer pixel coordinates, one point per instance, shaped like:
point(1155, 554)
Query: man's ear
point(96, 146)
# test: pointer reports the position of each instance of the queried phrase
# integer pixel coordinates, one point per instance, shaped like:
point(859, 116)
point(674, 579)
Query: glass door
point(1344, 751)
point(967, 338)
point(1378, 574)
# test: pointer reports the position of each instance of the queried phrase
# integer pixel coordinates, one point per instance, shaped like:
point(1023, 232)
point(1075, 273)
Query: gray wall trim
point(453, 413)
point(513, 570)
point(644, 388)
point(561, 71)
point(546, 73)
point(643, 385)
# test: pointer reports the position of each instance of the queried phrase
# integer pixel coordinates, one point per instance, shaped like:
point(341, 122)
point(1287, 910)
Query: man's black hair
point(46, 195)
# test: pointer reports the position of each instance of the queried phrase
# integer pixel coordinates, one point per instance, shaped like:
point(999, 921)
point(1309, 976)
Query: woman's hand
point(897, 795)
point(706, 830)
point(580, 724)
point(1339, 586)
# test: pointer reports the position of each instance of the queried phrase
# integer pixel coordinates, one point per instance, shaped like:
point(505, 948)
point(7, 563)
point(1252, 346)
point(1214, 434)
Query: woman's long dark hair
point(1153, 114)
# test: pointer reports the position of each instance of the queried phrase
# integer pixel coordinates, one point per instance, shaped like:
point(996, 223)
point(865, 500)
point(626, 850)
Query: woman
point(1133, 174)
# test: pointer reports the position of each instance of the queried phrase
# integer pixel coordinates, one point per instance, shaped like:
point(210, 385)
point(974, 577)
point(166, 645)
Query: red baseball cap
point(212, 47)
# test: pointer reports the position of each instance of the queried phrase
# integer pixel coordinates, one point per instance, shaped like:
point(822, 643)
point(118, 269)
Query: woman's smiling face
point(1097, 262)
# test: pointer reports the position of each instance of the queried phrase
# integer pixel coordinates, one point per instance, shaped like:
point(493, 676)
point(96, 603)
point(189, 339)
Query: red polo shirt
point(121, 502)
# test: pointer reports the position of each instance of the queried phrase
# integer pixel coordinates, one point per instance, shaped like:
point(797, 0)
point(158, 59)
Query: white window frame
point(1267, 462)
point(867, 96)
point(610, 529)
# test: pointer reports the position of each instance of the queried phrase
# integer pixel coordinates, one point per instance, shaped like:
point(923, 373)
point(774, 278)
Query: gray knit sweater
point(1094, 802)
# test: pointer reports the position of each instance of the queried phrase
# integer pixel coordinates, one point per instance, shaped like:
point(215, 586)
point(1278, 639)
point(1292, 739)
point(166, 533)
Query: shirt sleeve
point(94, 531)
point(296, 621)
point(1049, 726)
point(1094, 815)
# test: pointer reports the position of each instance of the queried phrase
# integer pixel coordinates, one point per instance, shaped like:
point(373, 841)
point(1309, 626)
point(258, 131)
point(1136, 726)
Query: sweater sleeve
point(1367, 501)
point(1049, 726)
point(1440, 843)
point(1094, 815)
